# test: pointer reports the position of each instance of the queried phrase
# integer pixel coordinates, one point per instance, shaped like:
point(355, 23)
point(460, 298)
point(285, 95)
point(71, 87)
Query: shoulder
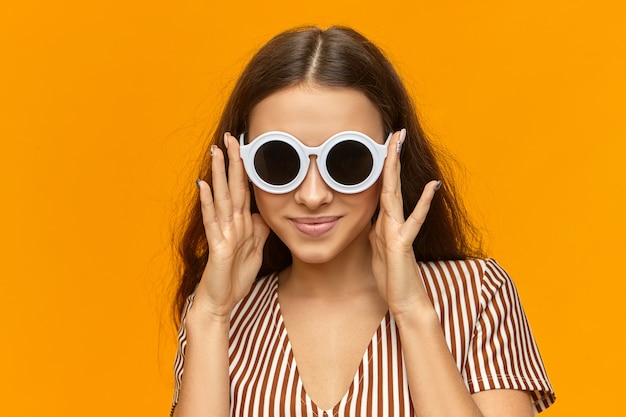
point(263, 286)
point(468, 271)
point(263, 292)
point(473, 282)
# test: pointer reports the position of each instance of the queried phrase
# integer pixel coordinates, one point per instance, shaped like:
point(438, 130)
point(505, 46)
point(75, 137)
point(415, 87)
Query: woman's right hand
point(235, 236)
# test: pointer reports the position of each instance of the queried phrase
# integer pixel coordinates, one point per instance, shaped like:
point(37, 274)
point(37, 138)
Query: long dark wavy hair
point(334, 57)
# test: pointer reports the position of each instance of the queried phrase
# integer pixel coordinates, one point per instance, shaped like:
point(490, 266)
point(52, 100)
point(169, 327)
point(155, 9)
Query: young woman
point(329, 268)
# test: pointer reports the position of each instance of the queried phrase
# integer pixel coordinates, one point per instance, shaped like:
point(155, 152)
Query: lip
point(315, 226)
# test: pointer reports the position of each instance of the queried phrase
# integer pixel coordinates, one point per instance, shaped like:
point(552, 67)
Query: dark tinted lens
point(349, 162)
point(277, 163)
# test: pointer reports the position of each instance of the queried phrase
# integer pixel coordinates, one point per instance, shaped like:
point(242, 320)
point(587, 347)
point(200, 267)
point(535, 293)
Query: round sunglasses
point(349, 162)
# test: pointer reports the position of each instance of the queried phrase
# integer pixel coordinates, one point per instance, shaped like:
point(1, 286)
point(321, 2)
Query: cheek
point(267, 204)
point(373, 201)
point(372, 195)
point(376, 200)
point(258, 198)
point(367, 203)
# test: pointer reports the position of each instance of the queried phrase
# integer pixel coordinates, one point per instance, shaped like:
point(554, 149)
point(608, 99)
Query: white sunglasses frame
point(377, 150)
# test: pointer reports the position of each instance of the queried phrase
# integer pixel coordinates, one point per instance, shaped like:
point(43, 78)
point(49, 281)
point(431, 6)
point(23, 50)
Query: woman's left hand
point(395, 269)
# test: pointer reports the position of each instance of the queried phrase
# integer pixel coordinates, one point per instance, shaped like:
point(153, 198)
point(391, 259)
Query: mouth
point(315, 226)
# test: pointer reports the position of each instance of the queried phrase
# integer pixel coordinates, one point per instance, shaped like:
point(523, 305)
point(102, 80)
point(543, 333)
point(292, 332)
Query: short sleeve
point(180, 352)
point(503, 353)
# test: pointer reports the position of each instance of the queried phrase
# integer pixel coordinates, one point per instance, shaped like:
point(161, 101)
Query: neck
point(346, 274)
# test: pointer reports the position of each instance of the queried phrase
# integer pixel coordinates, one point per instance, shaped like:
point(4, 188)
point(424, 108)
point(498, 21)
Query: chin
point(314, 257)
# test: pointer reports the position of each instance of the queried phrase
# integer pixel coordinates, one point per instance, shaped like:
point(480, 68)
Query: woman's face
point(315, 222)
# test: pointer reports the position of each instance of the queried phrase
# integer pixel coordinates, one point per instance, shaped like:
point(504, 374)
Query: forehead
point(314, 113)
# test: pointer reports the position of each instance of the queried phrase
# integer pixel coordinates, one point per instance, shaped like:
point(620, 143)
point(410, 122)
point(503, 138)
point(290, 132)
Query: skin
point(329, 291)
point(328, 288)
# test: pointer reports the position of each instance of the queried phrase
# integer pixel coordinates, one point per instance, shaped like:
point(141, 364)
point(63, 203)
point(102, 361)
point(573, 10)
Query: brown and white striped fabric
point(481, 316)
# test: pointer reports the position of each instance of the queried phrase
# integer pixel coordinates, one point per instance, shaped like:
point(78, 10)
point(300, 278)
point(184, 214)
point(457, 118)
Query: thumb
point(260, 231)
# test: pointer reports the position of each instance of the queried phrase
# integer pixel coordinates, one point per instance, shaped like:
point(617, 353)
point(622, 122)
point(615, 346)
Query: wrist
point(201, 330)
point(203, 316)
point(419, 316)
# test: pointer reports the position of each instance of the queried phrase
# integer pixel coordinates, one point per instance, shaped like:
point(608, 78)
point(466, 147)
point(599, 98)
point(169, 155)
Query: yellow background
point(103, 107)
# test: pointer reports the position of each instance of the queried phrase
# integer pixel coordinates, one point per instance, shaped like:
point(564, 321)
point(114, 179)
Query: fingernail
point(226, 135)
point(198, 183)
point(438, 185)
point(401, 140)
point(212, 149)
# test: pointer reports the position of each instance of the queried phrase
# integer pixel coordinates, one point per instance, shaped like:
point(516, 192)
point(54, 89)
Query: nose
point(313, 192)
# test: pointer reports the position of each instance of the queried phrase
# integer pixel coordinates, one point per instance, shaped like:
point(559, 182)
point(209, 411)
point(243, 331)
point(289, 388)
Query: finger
point(391, 193)
point(209, 218)
point(237, 179)
point(221, 194)
point(417, 218)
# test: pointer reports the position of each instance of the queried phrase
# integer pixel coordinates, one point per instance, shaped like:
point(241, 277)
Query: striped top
point(480, 313)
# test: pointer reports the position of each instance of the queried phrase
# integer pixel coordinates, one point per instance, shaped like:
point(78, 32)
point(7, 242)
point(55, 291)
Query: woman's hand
point(397, 274)
point(235, 236)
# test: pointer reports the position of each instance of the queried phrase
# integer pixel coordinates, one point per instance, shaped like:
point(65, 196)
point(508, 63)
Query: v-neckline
point(365, 358)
